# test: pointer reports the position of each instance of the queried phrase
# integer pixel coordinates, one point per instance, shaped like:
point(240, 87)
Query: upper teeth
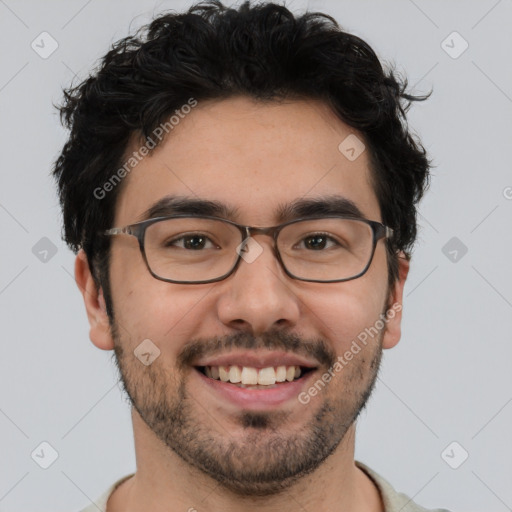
point(248, 375)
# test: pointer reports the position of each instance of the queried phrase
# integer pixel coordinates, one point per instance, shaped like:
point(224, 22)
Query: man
point(240, 186)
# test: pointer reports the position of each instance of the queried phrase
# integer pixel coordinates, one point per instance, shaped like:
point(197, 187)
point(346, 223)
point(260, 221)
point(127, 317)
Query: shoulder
point(393, 501)
point(100, 505)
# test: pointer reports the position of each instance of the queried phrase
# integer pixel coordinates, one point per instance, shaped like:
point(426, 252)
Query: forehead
point(254, 158)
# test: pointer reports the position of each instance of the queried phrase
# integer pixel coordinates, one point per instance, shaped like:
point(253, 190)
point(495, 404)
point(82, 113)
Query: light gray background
point(449, 379)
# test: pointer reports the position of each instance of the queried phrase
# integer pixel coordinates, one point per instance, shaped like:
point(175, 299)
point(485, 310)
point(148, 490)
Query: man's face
point(253, 158)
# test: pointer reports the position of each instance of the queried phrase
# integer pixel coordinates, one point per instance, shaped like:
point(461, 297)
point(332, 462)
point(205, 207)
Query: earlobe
point(393, 330)
point(99, 331)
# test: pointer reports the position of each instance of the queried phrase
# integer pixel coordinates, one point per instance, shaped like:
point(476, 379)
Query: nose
point(258, 296)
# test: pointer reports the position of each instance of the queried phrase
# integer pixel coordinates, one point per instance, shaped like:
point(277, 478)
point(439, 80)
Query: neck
point(164, 482)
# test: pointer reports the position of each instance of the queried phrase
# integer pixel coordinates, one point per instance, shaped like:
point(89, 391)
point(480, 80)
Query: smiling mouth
point(257, 378)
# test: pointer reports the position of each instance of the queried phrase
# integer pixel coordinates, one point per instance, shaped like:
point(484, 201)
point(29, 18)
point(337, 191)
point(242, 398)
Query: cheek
point(146, 308)
point(343, 312)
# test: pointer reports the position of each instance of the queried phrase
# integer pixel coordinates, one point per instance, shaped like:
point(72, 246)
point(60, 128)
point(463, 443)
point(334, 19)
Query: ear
point(94, 301)
point(393, 329)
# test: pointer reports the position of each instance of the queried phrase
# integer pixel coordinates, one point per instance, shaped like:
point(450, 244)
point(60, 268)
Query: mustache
point(317, 348)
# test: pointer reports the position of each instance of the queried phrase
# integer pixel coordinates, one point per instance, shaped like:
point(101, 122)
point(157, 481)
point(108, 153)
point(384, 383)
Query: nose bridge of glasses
point(271, 232)
point(249, 234)
point(251, 231)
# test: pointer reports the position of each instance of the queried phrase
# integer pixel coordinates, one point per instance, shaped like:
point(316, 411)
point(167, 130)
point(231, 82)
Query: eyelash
point(182, 238)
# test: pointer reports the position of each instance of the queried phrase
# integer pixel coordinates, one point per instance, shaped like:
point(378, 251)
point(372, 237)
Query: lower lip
point(257, 398)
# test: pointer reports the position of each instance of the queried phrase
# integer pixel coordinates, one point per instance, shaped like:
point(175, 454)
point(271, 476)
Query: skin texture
point(193, 447)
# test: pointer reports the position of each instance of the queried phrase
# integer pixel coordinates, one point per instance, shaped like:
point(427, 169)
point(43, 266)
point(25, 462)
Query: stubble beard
point(271, 455)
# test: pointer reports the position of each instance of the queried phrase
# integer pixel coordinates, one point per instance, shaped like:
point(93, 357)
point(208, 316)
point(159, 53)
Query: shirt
point(393, 501)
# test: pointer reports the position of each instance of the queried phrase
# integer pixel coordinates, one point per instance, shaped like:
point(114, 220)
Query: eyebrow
point(300, 208)
point(182, 205)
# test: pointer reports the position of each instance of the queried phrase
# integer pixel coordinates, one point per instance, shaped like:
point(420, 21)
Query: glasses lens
point(191, 249)
point(326, 249)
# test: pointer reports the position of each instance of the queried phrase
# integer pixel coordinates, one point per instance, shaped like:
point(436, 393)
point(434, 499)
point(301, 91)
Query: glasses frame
point(138, 230)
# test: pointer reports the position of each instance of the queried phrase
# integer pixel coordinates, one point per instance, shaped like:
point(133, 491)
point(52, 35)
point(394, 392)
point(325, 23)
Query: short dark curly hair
point(214, 52)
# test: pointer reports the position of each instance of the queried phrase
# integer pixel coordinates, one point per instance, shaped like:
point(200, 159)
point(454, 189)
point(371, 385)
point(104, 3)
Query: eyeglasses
point(188, 249)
